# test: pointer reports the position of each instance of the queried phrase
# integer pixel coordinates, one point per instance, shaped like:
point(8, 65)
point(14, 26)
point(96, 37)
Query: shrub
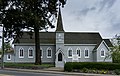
point(85, 70)
point(69, 66)
point(117, 71)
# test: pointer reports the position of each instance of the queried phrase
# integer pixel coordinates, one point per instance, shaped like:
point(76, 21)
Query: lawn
point(27, 65)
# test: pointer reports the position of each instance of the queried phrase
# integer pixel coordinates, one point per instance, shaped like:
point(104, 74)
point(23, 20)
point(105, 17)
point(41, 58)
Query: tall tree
point(116, 49)
point(7, 47)
point(35, 15)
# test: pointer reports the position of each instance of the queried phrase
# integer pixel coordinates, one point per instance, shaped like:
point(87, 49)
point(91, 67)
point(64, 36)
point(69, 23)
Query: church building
point(60, 47)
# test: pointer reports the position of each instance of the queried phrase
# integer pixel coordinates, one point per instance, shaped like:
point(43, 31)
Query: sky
point(101, 16)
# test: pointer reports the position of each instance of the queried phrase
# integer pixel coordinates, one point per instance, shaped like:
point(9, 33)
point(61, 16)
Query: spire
point(59, 22)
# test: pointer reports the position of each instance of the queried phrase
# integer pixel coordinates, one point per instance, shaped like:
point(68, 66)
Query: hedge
point(69, 66)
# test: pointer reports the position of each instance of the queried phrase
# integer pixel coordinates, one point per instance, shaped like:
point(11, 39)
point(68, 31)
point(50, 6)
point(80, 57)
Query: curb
point(56, 72)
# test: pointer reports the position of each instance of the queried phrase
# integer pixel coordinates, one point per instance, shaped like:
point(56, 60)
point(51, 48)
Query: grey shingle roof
point(45, 37)
point(70, 38)
point(107, 41)
point(82, 38)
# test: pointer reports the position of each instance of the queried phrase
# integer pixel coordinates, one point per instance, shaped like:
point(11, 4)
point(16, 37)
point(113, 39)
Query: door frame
point(63, 59)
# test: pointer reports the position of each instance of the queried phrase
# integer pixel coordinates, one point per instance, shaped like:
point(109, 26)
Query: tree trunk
point(37, 47)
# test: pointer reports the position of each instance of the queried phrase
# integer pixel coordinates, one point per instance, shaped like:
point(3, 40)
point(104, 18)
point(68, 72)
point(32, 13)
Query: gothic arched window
point(21, 53)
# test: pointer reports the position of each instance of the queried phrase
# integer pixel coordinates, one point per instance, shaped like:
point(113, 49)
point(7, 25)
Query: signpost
point(75, 58)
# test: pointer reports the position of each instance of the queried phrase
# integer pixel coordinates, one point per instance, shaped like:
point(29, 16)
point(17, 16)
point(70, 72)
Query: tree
point(116, 49)
point(7, 47)
point(34, 15)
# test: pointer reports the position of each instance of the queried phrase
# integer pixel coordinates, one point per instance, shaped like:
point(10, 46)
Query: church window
point(79, 52)
point(30, 53)
point(70, 53)
point(8, 57)
point(102, 53)
point(21, 53)
point(86, 53)
point(49, 53)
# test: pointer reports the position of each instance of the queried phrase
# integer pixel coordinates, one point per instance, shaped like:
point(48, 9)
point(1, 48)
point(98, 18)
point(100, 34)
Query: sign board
point(75, 58)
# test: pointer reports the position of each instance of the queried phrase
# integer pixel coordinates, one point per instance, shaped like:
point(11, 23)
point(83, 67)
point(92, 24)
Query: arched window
point(30, 53)
point(8, 57)
point(21, 53)
point(78, 52)
point(70, 53)
point(102, 53)
point(49, 52)
point(86, 53)
point(60, 57)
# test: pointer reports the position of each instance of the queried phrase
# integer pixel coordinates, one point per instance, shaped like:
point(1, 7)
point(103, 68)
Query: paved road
point(18, 73)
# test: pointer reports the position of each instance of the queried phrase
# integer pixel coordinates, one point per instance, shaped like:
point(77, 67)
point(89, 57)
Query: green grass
point(27, 65)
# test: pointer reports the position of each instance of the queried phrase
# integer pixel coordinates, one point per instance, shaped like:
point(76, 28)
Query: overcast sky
point(101, 16)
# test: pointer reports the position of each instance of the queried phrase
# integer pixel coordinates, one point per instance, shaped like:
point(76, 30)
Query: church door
point(60, 57)
point(60, 60)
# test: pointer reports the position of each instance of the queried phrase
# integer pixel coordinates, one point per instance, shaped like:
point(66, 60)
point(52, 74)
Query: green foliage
point(116, 49)
point(17, 15)
point(69, 66)
point(85, 70)
point(8, 48)
point(116, 56)
point(0, 51)
point(117, 71)
point(102, 72)
point(33, 15)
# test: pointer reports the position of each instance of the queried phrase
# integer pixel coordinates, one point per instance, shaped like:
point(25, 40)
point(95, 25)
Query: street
point(18, 73)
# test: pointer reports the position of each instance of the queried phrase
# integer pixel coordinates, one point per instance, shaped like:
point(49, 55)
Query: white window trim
point(47, 52)
point(23, 53)
point(68, 52)
point(80, 52)
point(41, 52)
point(28, 52)
point(8, 58)
point(88, 53)
point(104, 52)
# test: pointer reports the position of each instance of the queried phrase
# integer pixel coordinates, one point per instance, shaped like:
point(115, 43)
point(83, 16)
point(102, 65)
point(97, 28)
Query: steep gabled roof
point(45, 38)
point(69, 38)
point(107, 41)
point(82, 38)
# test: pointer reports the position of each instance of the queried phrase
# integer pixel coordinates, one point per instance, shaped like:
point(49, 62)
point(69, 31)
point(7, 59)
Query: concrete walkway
point(54, 70)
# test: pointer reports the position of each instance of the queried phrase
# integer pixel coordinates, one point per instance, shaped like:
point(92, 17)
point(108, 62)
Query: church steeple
point(59, 23)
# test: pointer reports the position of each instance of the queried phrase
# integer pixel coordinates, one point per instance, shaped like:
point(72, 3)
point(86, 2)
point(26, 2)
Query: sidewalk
point(55, 70)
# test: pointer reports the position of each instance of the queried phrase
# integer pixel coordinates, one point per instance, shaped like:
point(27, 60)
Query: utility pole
point(2, 63)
